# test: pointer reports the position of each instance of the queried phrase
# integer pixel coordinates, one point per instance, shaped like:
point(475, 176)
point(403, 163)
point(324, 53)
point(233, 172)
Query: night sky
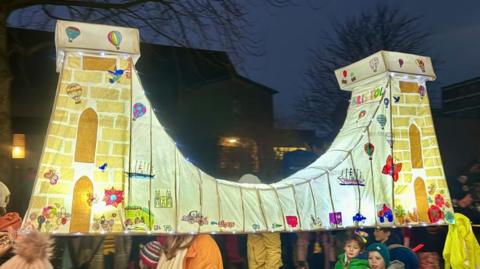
point(288, 33)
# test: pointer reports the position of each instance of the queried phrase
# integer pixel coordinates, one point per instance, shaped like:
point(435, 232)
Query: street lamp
point(18, 146)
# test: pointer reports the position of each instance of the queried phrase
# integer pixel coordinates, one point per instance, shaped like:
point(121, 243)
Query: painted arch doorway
point(421, 200)
point(81, 210)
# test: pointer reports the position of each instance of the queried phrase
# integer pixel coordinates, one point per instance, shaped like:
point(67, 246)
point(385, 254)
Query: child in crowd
point(190, 252)
point(33, 251)
point(353, 246)
point(150, 254)
point(378, 256)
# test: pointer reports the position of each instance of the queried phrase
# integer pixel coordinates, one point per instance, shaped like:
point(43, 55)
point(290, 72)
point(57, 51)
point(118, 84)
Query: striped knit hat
point(150, 253)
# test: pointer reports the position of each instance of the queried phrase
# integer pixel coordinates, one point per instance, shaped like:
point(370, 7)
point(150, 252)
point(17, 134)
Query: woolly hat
point(32, 252)
point(382, 249)
point(4, 195)
point(150, 253)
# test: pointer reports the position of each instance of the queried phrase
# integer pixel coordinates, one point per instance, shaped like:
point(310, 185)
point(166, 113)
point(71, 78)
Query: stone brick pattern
point(416, 187)
point(51, 202)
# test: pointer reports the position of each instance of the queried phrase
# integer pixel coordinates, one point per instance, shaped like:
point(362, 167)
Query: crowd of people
point(417, 247)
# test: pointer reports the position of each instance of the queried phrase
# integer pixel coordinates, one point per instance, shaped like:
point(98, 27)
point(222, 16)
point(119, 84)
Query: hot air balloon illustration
point(420, 64)
point(72, 33)
point(138, 110)
point(400, 62)
point(369, 149)
point(74, 90)
point(389, 138)
point(382, 120)
point(386, 101)
point(352, 77)
point(373, 63)
point(344, 74)
point(421, 91)
point(361, 114)
point(115, 37)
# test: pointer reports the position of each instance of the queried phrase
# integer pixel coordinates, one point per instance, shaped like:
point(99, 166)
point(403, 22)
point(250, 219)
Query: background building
point(221, 121)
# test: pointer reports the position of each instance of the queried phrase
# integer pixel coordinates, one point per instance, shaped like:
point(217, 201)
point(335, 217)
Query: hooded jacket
point(461, 249)
point(203, 253)
point(354, 263)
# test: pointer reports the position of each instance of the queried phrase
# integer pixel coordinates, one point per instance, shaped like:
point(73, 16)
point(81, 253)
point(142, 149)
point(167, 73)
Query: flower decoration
point(449, 217)
point(49, 212)
point(52, 176)
point(292, 221)
point(435, 214)
point(113, 197)
point(385, 213)
point(362, 234)
point(439, 200)
point(359, 218)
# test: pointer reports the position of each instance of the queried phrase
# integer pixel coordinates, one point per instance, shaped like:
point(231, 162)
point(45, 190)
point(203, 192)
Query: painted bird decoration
point(103, 167)
point(116, 75)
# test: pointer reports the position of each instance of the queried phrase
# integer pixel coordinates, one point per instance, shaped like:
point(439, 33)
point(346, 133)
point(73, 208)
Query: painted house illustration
point(108, 166)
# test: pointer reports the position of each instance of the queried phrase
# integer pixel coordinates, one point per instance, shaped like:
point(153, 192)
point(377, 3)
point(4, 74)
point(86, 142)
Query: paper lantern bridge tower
point(108, 166)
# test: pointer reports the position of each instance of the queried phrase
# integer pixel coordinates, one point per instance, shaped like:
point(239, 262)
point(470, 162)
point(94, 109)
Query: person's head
point(33, 251)
point(382, 234)
point(462, 179)
point(378, 256)
point(150, 254)
point(465, 201)
point(176, 243)
point(353, 246)
point(4, 198)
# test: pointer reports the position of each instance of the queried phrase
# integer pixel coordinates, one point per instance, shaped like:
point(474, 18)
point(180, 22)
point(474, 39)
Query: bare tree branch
point(323, 105)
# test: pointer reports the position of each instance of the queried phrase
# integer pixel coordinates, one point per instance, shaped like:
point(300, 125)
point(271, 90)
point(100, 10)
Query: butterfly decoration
point(396, 99)
point(52, 176)
point(391, 168)
point(103, 167)
point(116, 75)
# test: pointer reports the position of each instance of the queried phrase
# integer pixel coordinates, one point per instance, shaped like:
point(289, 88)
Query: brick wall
point(111, 103)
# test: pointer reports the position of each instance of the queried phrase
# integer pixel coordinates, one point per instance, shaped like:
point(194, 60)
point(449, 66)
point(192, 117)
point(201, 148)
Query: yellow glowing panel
point(81, 210)
point(421, 200)
point(415, 147)
point(86, 137)
point(98, 63)
point(408, 87)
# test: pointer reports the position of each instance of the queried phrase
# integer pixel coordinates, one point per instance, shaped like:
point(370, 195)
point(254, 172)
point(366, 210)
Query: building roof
point(164, 70)
point(461, 84)
point(462, 99)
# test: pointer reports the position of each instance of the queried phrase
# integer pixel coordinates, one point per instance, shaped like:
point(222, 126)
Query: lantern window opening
point(18, 146)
